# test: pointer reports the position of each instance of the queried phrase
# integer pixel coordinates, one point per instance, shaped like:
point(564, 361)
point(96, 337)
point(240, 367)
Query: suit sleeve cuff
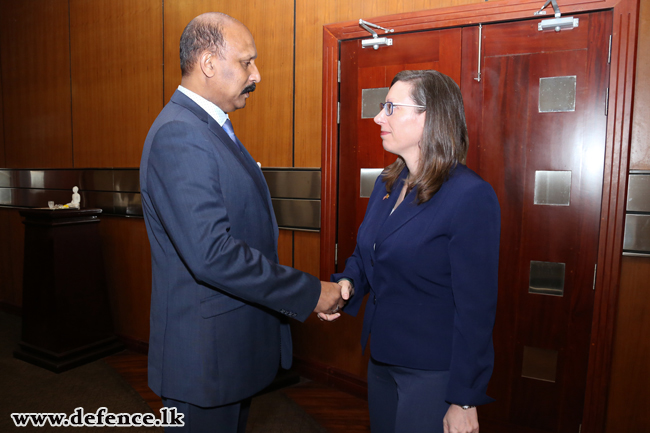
point(463, 396)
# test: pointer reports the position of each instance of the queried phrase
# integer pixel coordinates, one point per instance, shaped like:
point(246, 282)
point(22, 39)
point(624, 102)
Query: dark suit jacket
point(218, 332)
point(431, 272)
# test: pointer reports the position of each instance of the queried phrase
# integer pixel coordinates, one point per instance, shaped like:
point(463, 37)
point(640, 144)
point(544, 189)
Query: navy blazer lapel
point(256, 172)
point(404, 212)
point(388, 200)
point(245, 159)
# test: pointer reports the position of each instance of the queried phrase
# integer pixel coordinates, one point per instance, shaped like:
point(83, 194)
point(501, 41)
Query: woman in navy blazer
point(427, 255)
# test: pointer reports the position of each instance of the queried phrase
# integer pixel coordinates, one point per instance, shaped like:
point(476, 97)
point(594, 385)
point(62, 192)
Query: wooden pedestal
point(66, 314)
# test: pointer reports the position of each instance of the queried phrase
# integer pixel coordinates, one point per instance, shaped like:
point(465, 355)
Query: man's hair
point(444, 139)
point(203, 33)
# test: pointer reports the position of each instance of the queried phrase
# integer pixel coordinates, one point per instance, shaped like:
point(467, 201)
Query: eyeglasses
point(388, 107)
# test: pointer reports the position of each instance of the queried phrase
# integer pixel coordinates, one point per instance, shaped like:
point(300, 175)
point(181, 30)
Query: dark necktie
point(231, 133)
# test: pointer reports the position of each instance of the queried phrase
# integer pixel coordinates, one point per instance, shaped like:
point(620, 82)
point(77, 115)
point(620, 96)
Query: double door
point(537, 123)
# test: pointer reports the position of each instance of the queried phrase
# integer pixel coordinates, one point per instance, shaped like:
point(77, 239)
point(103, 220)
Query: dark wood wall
point(116, 78)
point(2, 132)
point(81, 82)
point(630, 380)
point(35, 50)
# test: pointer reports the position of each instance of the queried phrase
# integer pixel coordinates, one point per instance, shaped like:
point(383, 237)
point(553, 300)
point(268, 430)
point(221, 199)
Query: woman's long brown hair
point(444, 138)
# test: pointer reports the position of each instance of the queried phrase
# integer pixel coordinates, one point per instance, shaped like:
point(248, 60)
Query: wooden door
point(519, 137)
point(542, 333)
point(360, 144)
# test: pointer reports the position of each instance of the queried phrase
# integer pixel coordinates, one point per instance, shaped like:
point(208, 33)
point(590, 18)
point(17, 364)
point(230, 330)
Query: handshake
point(333, 297)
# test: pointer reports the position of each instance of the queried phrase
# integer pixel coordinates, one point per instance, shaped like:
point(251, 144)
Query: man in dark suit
point(220, 299)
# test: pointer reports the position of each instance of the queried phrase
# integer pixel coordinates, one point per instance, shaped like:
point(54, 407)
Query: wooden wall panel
point(307, 252)
point(285, 247)
point(630, 381)
point(35, 60)
point(640, 147)
point(12, 251)
point(117, 79)
point(2, 138)
point(310, 20)
point(264, 126)
point(127, 261)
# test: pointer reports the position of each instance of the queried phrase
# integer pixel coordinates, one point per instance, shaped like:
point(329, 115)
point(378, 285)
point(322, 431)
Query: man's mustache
point(249, 89)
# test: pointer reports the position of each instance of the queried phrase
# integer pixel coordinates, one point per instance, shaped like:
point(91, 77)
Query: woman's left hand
point(459, 420)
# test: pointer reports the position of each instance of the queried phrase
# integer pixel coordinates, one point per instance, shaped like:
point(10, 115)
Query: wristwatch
point(465, 407)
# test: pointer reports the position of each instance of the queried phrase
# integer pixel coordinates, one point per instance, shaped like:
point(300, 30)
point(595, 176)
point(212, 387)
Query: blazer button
point(374, 300)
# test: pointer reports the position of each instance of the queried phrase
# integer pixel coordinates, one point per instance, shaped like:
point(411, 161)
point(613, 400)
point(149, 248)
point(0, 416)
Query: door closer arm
point(376, 41)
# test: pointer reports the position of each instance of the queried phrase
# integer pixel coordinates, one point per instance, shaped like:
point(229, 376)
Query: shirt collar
point(215, 112)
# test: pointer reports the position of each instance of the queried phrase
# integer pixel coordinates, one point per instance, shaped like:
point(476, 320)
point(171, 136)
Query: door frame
point(619, 123)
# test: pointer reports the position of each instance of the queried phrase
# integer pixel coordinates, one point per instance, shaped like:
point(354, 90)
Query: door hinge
point(609, 55)
point(339, 72)
point(338, 113)
point(595, 272)
point(607, 102)
point(336, 254)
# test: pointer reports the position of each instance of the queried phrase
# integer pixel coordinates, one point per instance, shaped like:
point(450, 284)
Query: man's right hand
point(330, 300)
point(346, 292)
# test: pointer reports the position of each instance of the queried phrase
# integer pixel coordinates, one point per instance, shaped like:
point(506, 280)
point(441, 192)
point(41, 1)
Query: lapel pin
point(386, 196)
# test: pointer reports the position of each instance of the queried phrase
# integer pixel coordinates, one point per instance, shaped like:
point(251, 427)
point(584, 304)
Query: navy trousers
point(406, 400)
point(230, 418)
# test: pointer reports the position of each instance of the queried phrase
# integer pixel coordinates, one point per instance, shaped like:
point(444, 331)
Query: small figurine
point(76, 199)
